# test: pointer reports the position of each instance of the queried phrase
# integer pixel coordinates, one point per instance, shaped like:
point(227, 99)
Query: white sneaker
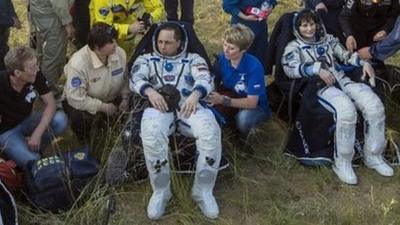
point(377, 163)
point(345, 172)
point(157, 204)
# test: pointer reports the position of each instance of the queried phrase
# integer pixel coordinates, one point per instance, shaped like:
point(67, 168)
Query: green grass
point(261, 186)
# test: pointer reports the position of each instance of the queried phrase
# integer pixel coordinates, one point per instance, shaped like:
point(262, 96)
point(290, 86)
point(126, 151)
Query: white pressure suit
point(187, 72)
point(305, 59)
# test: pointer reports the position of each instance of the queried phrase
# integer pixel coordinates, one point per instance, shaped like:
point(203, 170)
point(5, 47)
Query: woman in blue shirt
point(243, 74)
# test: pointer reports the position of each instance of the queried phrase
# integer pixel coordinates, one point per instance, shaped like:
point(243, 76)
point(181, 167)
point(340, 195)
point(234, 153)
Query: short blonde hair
point(16, 57)
point(239, 35)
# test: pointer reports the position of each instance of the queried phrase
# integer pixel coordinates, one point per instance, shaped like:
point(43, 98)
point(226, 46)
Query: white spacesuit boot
point(345, 137)
point(344, 170)
point(204, 181)
point(160, 183)
point(374, 134)
point(376, 162)
point(208, 143)
point(154, 134)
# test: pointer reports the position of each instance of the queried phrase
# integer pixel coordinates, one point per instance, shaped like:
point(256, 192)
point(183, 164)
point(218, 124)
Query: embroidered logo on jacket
point(76, 82)
point(117, 71)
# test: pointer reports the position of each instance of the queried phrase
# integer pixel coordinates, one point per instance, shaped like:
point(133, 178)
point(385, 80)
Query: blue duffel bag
point(55, 182)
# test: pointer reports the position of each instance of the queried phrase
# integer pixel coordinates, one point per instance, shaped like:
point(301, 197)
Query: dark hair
point(101, 34)
point(306, 15)
point(172, 27)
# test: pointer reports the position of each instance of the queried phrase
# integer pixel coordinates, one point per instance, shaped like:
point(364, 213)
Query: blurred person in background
point(254, 14)
point(8, 18)
point(364, 22)
point(385, 48)
point(81, 21)
point(123, 15)
point(171, 7)
point(52, 25)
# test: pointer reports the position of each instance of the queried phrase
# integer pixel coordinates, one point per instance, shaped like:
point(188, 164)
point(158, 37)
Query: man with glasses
point(23, 134)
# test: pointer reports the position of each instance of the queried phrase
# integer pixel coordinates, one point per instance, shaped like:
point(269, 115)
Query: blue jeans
point(13, 142)
point(247, 119)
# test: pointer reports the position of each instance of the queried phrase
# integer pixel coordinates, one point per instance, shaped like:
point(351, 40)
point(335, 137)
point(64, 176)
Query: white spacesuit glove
point(368, 70)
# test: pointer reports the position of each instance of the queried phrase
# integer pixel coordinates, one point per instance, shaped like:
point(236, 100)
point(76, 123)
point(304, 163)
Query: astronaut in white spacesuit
point(315, 53)
point(171, 65)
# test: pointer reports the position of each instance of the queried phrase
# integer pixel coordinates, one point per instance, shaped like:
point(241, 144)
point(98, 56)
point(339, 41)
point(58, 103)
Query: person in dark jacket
point(171, 7)
point(254, 14)
point(8, 18)
point(367, 21)
point(385, 48)
point(81, 22)
point(329, 11)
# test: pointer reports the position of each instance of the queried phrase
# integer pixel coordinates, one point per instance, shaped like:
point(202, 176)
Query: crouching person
point(315, 53)
point(96, 82)
point(242, 74)
point(174, 81)
point(23, 134)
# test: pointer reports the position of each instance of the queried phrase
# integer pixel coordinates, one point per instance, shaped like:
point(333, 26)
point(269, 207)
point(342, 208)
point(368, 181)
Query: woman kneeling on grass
point(242, 74)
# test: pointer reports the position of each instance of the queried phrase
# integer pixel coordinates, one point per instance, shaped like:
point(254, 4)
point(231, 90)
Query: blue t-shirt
point(246, 79)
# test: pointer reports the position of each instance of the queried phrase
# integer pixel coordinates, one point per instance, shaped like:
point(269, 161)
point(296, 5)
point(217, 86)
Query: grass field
point(261, 187)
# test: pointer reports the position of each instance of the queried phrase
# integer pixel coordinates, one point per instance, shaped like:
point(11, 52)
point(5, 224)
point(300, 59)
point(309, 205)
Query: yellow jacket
point(122, 13)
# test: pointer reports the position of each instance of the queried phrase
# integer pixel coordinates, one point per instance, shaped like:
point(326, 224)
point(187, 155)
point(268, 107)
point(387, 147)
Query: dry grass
point(260, 188)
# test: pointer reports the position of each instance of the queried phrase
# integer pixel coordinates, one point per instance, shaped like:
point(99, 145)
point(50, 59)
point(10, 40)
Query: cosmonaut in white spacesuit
point(315, 53)
point(170, 65)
